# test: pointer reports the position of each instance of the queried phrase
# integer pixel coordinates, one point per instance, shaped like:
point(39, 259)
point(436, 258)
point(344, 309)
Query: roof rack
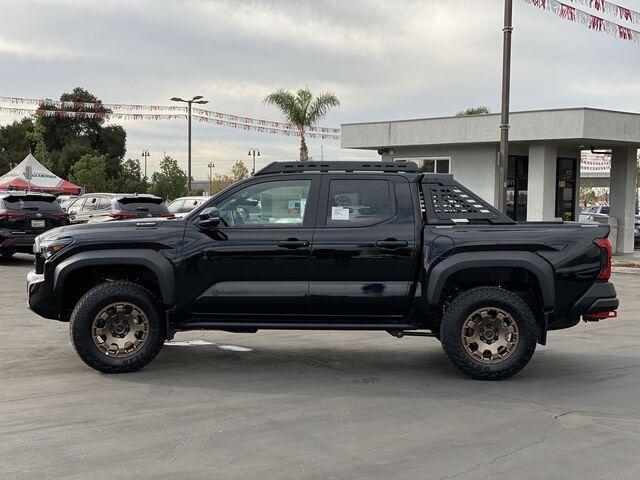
point(347, 166)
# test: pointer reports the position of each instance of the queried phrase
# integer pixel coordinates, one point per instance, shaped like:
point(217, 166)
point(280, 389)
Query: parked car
point(23, 216)
point(332, 246)
point(594, 213)
point(636, 233)
point(66, 200)
point(183, 205)
point(106, 207)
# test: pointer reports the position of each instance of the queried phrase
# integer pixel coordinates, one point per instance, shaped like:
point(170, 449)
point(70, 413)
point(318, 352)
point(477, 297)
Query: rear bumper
point(40, 296)
point(599, 298)
point(21, 242)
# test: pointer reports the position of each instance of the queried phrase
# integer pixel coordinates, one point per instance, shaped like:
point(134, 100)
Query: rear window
point(133, 204)
point(33, 202)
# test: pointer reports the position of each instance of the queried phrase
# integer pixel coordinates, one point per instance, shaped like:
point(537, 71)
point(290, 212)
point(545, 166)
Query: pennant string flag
point(593, 22)
point(51, 108)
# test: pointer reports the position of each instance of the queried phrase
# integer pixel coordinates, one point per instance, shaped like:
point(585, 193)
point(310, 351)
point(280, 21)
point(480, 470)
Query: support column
point(541, 186)
point(622, 197)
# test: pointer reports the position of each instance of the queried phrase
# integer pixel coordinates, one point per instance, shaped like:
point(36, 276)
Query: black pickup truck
point(338, 245)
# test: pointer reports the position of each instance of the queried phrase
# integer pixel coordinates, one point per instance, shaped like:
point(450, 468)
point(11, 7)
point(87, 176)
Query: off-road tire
point(459, 311)
point(92, 302)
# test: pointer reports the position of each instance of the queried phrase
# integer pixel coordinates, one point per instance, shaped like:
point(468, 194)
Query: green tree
point(90, 172)
point(302, 110)
point(14, 143)
point(170, 182)
point(239, 171)
point(480, 110)
point(88, 131)
point(129, 179)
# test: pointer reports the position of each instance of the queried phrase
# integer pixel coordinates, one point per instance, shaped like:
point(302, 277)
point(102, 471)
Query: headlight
point(48, 248)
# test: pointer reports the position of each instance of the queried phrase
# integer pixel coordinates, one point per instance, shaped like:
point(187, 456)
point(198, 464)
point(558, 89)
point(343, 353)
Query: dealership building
point(543, 169)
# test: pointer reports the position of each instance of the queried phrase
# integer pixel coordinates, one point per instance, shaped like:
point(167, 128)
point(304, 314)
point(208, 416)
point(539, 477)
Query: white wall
point(472, 166)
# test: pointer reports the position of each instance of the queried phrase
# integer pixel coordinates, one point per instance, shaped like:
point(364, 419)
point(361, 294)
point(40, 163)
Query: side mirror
point(209, 217)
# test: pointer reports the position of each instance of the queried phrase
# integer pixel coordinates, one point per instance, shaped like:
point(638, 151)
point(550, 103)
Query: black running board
point(244, 326)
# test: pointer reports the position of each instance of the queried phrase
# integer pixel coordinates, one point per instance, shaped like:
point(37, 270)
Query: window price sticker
point(339, 213)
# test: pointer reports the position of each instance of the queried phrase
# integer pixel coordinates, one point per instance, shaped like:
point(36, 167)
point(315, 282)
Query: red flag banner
point(610, 9)
point(593, 22)
point(47, 107)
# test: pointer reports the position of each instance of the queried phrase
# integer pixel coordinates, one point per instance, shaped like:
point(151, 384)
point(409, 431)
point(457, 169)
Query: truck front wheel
point(116, 327)
point(489, 333)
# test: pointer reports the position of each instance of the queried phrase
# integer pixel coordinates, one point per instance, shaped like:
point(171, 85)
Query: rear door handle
point(293, 243)
point(391, 244)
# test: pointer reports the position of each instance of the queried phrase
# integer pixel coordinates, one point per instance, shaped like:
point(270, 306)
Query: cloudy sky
point(384, 60)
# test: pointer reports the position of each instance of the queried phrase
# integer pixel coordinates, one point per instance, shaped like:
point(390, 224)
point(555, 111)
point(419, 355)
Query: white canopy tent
point(30, 174)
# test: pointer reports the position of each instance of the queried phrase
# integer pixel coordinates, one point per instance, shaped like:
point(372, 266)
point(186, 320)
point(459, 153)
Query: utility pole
point(255, 152)
point(145, 154)
point(210, 165)
point(196, 99)
point(504, 116)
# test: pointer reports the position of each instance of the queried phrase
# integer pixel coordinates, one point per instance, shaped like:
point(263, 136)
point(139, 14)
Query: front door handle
point(293, 243)
point(391, 243)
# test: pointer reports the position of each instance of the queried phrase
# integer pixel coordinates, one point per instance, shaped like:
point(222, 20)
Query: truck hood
point(117, 231)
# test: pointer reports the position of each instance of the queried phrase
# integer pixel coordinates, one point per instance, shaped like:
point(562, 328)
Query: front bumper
point(599, 298)
point(40, 296)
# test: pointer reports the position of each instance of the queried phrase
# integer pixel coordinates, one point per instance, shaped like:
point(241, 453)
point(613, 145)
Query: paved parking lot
point(321, 405)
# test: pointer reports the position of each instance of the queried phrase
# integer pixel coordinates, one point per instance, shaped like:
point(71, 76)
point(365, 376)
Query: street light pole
point(197, 99)
point(145, 154)
point(504, 116)
point(210, 165)
point(255, 152)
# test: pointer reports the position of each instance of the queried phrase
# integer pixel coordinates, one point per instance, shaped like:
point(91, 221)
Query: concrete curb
point(626, 270)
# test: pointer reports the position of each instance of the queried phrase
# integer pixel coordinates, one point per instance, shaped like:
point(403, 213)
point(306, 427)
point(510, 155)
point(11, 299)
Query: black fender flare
point(536, 265)
point(151, 259)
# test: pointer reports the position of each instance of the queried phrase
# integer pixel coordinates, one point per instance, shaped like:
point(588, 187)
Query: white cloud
point(384, 60)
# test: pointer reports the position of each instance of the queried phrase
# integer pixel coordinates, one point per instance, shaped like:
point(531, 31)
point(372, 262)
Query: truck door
point(364, 248)
point(256, 263)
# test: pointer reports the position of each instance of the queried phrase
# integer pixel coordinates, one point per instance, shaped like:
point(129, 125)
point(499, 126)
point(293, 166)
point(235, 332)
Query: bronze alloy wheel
point(120, 329)
point(490, 335)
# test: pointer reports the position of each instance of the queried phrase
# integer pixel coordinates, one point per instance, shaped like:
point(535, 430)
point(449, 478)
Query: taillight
point(60, 214)
point(121, 215)
point(605, 258)
point(6, 214)
point(169, 215)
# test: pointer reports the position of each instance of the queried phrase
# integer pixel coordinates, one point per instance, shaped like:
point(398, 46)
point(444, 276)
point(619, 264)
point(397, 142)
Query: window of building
point(358, 203)
point(429, 164)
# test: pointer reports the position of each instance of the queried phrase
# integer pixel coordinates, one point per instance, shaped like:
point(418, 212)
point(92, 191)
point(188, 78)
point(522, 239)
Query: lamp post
point(256, 153)
point(197, 99)
point(145, 154)
point(210, 165)
point(504, 116)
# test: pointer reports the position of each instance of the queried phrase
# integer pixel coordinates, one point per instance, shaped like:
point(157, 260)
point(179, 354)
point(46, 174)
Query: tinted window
point(31, 203)
point(273, 204)
point(142, 205)
point(604, 210)
point(358, 202)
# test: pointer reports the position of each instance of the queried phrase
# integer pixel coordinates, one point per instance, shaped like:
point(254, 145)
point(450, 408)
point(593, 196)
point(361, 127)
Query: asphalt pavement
point(316, 405)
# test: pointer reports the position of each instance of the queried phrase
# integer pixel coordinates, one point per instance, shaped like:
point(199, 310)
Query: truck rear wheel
point(116, 327)
point(489, 333)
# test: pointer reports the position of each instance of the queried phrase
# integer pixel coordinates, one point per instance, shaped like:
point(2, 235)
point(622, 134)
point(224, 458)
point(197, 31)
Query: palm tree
point(302, 110)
